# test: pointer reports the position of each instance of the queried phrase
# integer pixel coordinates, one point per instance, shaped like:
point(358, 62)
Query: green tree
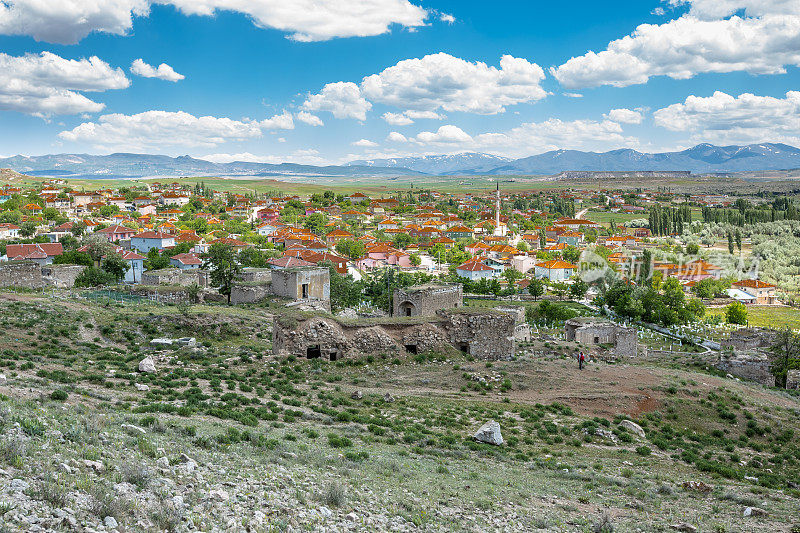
point(692, 248)
point(578, 289)
point(345, 291)
point(560, 288)
point(415, 259)
point(351, 249)
point(785, 355)
point(27, 229)
point(736, 313)
point(730, 243)
point(115, 265)
point(536, 288)
point(73, 257)
point(571, 254)
point(93, 277)
point(738, 238)
point(156, 260)
point(221, 261)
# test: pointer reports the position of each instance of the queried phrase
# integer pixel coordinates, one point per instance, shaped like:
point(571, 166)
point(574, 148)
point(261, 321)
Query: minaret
point(497, 211)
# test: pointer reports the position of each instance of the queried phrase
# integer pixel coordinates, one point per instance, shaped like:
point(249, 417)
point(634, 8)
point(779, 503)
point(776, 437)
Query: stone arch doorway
point(408, 309)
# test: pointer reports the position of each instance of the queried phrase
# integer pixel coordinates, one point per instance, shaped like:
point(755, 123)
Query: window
point(304, 287)
point(313, 352)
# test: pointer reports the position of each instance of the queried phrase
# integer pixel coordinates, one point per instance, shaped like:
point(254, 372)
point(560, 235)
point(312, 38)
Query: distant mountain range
point(123, 165)
point(703, 158)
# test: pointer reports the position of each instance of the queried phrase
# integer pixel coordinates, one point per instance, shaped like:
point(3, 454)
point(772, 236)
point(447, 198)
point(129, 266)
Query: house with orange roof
point(762, 292)
point(555, 270)
point(475, 269)
point(338, 235)
point(147, 240)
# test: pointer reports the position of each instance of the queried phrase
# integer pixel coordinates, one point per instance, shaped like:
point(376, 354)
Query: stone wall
point(249, 293)
point(23, 274)
point(426, 300)
point(746, 339)
point(590, 331)
point(256, 275)
point(486, 335)
point(175, 276)
point(793, 380)
point(747, 365)
point(289, 283)
point(61, 276)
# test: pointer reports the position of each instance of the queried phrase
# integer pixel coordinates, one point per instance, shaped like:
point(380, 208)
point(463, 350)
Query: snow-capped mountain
point(465, 163)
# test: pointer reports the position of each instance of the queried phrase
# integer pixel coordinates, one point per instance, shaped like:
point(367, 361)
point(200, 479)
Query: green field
point(605, 217)
point(775, 317)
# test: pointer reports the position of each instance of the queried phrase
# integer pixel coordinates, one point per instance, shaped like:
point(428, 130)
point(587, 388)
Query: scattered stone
point(699, 486)
point(633, 427)
point(142, 387)
point(110, 522)
point(325, 512)
point(163, 462)
point(352, 517)
point(161, 342)
point(683, 526)
point(219, 495)
point(130, 428)
point(388, 398)
point(97, 466)
point(356, 395)
point(186, 341)
point(147, 365)
point(3, 379)
point(18, 485)
point(489, 433)
point(751, 478)
point(755, 511)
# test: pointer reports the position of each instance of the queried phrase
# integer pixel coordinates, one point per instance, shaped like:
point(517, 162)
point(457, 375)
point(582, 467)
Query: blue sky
point(280, 80)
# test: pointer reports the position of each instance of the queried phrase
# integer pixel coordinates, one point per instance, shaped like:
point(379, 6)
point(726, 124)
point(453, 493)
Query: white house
point(186, 261)
point(475, 269)
point(146, 240)
point(555, 270)
point(135, 266)
point(8, 232)
point(523, 263)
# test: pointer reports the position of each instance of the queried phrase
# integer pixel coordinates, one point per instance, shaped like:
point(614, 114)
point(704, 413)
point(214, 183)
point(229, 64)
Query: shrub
point(333, 494)
point(59, 395)
point(643, 451)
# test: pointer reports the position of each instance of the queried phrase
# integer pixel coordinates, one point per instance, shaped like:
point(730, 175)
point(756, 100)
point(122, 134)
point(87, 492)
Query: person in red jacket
point(581, 359)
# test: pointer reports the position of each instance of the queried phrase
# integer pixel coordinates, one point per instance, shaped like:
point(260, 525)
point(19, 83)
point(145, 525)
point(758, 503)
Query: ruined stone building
point(32, 275)
point(745, 354)
point(307, 285)
point(485, 334)
point(426, 300)
point(593, 330)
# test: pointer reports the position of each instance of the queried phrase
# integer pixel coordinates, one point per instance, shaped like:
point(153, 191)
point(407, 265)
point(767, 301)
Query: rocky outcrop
point(489, 433)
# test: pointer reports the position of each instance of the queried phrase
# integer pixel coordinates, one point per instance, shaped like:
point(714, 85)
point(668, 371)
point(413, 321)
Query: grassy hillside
point(227, 435)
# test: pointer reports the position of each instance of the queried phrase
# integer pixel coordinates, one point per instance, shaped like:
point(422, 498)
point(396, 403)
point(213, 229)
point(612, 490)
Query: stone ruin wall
point(427, 301)
point(753, 366)
point(793, 380)
point(23, 274)
point(31, 275)
point(485, 336)
point(175, 276)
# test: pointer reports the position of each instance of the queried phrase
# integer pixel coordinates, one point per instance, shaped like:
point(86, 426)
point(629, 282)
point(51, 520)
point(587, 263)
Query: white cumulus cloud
point(726, 119)
point(447, 134)
point(626, 116)
point(441, 81)
point(687, 46)
point(162, 72)
point(408, 117)
point(343, 99)
point(397, 137)
point(310, 119)
point(69, 21)
point(365, 143)
point(157, 129)
point(47, 84)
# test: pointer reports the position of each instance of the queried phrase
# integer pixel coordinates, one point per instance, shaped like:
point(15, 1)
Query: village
point(548, 316)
